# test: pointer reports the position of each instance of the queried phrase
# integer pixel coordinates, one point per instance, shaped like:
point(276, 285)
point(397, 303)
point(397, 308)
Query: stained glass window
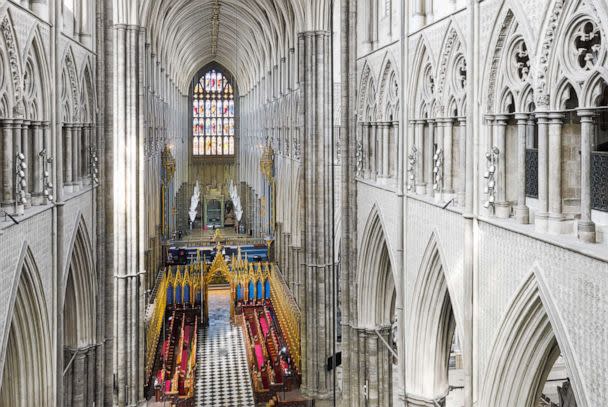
point(213, 116)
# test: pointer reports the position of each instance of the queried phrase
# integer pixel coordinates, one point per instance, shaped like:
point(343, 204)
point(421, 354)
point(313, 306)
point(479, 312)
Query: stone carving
point(443, 67)
point(542, 97)
point(13, 62)
point(363, 89)
point(359, 159)
point(504, 29)
point(71, 69)
point(521, 61)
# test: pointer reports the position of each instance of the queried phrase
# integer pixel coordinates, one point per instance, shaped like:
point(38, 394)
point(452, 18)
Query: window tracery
point(213, 116)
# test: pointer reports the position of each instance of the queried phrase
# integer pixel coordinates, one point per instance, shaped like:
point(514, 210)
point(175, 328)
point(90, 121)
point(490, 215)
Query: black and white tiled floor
point(222, 377)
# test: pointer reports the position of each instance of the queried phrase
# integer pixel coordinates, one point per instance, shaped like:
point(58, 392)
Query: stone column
point(317, 255)
point(26, 149)
point(68, 161)
point(127, 185)
point(462, 154)
point(385, 150)
point(541, 217)
point(503, 208)
point(396, 167)
point(556, 218)
point(429, 151)
point(586, 227)
point(530, 130)
point(420, 156)
point(448, 183)
point(418, 14)
point(76, 156)
point(37, 165)
point(522, 213)
point(91, 380)
point(372, 370)
point(79, 379)
point(86, 154)
point(373, 155)
point(364, 150)
point(8, 176)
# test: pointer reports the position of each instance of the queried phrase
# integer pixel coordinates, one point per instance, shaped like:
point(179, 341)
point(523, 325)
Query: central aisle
point(222, 376)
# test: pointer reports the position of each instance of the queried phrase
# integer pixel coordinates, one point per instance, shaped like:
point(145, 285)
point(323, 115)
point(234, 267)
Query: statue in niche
point(229, 215)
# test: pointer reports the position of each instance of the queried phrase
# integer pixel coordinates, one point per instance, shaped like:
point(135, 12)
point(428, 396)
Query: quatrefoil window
point(587, 42)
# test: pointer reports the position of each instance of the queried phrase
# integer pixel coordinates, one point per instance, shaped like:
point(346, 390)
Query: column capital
point(501, 119)
point(521, 116)
point(462, 120)
point(586, 113)
point(556, 116)
point(489, 118)
point(395, 123)
point(7, 122)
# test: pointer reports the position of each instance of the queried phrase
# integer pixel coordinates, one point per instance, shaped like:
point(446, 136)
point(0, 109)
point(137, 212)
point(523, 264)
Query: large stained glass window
point(213, 116)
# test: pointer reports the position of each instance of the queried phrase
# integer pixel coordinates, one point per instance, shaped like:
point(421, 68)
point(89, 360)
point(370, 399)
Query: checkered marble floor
point(222, 379)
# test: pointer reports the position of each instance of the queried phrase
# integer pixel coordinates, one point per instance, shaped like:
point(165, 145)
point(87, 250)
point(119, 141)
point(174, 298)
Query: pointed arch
point(422, 80)
point(513, 38)
point(376, 292)
point(87, 94)
point(36, 78)
point(388, 96)
point(80, 291)
point(524, 350)
point(432, 325)
point(26, 377)
point(70, 98)
point(451, 60)
point(365, 84)
point(13, 68)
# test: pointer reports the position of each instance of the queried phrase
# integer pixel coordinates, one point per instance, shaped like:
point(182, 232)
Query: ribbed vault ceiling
point(248, 37)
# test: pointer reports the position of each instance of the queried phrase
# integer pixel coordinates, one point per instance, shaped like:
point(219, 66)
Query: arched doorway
point(79, 324)
point(376, 306)
point(26, 375)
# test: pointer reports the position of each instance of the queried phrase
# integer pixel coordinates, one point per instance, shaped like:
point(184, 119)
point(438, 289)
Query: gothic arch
point(12, 75)
point(26, 372)
point(80, 291)
point(422, 82)
point(556, 63)
point(366, 91)
point(70, 98)
point(388, 96)
point(87, 95)
point(376, 293)
point(431, 328)
point(524, 350)
point(451, 75)
point(508, 65)
point(36, 78)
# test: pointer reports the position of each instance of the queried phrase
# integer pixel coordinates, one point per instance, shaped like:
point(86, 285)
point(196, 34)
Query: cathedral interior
point(251, 203)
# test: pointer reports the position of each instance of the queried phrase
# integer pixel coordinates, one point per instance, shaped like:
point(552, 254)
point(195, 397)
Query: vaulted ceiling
point(248, 37)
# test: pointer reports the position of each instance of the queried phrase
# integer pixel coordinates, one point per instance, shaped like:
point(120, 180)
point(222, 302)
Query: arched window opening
point(213, 115)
